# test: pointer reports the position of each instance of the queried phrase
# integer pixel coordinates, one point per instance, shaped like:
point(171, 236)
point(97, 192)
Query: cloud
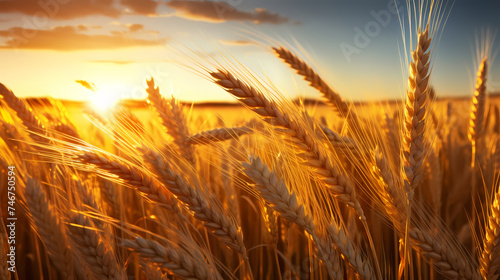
point(237, 42)
point(134, 27)
point(66, 38)
point(220, 12)
point(82, 27)
point(119, 62)
point(144, 7)
point(60, 9)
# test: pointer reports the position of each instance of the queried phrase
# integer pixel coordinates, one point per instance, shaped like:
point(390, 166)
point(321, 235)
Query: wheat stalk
point(94, 250)
point(489, 260)
point(219, 223)
point(181, 263)
point(478, 103)
point(173, 119)
point(218, 135)
point(134, 176)
point(332, 97)
point(449, 260)
point(415, 113)
point(47, 224)
point(350, 252)
point(275, 192)
point(24, 112)
point(312, 152)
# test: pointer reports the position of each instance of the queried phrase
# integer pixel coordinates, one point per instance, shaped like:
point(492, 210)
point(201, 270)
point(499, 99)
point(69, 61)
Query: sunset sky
point(45, 45)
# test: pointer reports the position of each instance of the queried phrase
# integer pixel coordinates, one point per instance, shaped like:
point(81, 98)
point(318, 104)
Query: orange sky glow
point(46, 46)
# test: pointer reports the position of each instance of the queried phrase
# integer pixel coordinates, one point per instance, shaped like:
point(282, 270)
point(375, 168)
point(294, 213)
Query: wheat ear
point(134, 176)
point(478, 106)
point(218, 134)
point(447, 259)
point(332, 97)
point(415, 113)
point(179, 262)
point(24, 112)
point(342, 143)
point(219, 223)
point(275, 192)
point(173, 119)
point(350, 252)
point(489, 260)
point(94, 250)
point(393, 200)
point(48, 226)
point(310, 149)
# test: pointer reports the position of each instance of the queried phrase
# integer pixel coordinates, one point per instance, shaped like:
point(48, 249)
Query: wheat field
point(267, 189)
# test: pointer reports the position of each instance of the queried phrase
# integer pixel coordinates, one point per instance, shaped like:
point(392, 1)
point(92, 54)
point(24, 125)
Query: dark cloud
point(237, 42)
point(221, 12)
point(66, 38)
point(145, 7)
point(119, 62)
point(60, 9)
point(134, 27)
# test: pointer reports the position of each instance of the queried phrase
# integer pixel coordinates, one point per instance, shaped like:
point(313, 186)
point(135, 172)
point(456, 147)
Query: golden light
point(106, 97)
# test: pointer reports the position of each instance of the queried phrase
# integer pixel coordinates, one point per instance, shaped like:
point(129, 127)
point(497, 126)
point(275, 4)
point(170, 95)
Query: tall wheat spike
point(478, 107)
point(415, 113)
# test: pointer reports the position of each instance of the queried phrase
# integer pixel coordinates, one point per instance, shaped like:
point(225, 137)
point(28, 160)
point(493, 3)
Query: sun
point(105, 98)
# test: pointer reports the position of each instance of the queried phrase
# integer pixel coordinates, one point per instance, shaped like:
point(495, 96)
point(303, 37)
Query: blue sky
point(117, 44)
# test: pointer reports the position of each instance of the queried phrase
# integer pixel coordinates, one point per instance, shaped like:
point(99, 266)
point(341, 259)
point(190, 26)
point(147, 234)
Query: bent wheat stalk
point(25, 113)
point(173, 119)
point(332, 97)
point(275, 192)
point(134, 176)
point(179, 262)
point(219, 223)
point(312, 151)
point(95, 251)
point(47, 225)
point(218, 134)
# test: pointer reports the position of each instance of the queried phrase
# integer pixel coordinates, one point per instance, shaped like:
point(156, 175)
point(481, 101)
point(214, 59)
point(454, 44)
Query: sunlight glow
point(106, 98)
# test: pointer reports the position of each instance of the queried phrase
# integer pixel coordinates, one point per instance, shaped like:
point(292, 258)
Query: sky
point(46, 46)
